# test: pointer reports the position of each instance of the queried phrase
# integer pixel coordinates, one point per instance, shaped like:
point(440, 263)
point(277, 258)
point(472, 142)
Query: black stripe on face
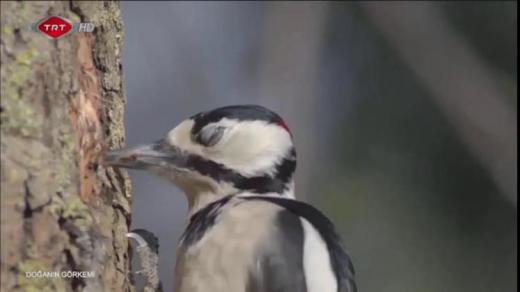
point(236, 112)
point(278, 183)
point(258, 184)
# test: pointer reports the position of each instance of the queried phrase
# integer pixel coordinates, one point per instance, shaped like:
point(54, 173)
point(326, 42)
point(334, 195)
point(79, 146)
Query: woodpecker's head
point(223, 151)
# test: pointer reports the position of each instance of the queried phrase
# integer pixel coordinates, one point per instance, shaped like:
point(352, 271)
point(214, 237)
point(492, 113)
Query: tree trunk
point(61, 107)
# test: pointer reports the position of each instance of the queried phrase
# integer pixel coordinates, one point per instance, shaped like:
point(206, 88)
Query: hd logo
point(56, 27)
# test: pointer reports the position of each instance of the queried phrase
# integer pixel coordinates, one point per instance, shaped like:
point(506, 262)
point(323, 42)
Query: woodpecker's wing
point(285, 262)
point(279, 262)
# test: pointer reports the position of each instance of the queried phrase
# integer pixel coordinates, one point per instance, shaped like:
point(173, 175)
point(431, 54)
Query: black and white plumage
point(246, 232)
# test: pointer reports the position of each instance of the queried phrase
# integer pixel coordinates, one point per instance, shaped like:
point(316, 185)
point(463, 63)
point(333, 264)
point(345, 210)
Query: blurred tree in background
point(424, 214)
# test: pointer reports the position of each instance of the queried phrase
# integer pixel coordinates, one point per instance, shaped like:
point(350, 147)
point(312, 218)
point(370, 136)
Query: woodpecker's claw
point(147, 251)
point(140, 240)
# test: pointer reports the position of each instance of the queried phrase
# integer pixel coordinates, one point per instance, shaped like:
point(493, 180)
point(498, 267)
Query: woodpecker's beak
point(144, 156)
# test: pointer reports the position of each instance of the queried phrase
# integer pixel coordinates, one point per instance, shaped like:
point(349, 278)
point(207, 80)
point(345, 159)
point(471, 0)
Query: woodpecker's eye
point(210, 136)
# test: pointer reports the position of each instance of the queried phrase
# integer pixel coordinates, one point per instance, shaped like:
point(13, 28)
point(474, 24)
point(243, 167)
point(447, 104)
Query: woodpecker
point(246, 231)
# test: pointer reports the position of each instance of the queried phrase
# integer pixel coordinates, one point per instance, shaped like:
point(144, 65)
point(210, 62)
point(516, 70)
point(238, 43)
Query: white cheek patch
point(180, 137)
point(251, 147)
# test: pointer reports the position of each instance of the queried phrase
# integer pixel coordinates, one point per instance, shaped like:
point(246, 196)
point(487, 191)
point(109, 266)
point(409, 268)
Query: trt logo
point(56, 27)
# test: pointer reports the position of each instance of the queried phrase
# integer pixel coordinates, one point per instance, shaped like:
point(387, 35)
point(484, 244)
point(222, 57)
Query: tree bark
point(61, 107)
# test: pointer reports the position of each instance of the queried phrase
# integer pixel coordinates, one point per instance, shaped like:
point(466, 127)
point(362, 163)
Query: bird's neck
point(199, 198)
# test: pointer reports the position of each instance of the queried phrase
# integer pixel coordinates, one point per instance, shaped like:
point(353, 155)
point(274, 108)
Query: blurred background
point(404, 116)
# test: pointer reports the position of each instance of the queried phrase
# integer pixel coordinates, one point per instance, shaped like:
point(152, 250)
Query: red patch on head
point(282, 124)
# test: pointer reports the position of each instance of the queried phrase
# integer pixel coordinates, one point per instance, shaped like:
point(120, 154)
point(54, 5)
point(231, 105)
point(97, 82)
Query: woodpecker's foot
point(147, 251)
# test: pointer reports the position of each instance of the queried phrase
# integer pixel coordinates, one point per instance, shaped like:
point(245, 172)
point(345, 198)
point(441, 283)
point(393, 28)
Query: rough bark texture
point(61, 107)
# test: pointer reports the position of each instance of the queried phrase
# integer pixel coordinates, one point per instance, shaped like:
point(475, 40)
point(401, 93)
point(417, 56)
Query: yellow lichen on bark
point(61, 106)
